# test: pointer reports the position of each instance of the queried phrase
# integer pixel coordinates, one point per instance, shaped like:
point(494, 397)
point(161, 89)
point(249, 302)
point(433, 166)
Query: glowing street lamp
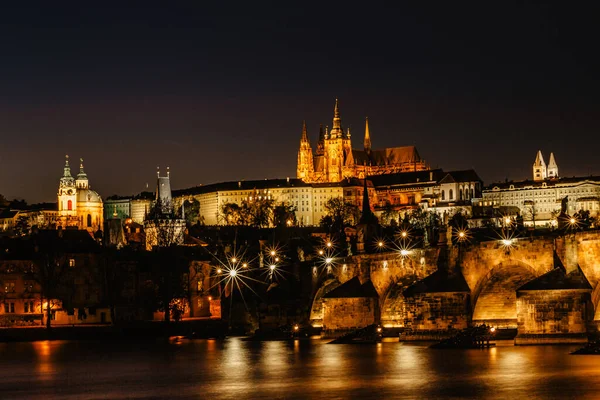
point(245, 265)
point(272, 267)
point(404, 234)
point(233, 260)
point(329, 244)
point(233, 273)
point(219, 270)
point(328, 260)
point(321, 252)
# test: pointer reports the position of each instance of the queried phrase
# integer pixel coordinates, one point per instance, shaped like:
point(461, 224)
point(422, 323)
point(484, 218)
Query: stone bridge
point(542, 285)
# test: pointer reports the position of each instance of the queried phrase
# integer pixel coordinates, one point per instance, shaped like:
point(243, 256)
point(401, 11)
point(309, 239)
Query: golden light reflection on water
point(46, 353)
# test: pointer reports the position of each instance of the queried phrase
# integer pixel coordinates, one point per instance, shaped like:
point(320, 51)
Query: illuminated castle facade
point(78, 205)
point(336, 160)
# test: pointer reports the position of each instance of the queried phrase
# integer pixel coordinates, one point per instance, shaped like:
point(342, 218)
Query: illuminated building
point(538, 200)
point(78, 205)
point(335, 159)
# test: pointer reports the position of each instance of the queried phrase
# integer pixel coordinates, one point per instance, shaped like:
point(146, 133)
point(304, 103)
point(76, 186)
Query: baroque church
point(336, 160)
point(78, 205)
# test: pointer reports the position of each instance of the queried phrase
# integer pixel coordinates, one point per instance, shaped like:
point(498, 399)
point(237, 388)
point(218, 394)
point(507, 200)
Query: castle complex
point(335, 159)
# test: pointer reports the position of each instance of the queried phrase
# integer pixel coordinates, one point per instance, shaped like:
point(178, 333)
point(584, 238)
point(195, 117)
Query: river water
point(235, 369)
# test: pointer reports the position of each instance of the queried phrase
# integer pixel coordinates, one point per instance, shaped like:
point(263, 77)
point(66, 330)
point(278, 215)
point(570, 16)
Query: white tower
point(539, 167)
point(552, 167)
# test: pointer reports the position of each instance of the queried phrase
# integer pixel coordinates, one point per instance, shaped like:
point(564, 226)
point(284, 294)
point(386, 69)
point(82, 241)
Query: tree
point(22, 226)
point(339, 214)
point(284, 214)
point(389, 215)
point(584, 219)
point(192, 211)
point(531, 211)
point(50, 267)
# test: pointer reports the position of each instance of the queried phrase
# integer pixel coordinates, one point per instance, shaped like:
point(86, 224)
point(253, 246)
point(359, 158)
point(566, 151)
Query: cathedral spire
point(367, 142)
point(304, 138)
point(336, 130)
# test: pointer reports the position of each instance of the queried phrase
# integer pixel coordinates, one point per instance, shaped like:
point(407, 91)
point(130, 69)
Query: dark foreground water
point(233, 369)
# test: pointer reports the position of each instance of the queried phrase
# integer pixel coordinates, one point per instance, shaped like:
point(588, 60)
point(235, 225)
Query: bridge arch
point(393, 302)
point(494, 298)
point(316, 309)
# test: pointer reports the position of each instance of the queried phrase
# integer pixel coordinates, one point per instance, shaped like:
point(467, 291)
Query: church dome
point(88, 196)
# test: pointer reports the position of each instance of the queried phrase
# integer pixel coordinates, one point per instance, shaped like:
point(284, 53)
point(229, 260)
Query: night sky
point(220, 93)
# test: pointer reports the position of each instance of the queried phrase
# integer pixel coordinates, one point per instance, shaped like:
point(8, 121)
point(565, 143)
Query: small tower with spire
point(305, 169)
point(552, 167)
point(539, 167)
point(82, 179)
point(367, 142)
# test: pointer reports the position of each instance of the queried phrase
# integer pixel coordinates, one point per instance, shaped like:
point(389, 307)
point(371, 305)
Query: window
point(443, 195)
point(71, 262)
point(9, 308)
point(451, 196)
point(28, 307)
point(69, 205)
point(9, 287)
point(89, 220)
point(199, 285)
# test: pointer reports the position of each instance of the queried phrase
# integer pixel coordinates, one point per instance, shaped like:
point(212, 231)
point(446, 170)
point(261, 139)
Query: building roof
point(467, 175)
point(388, 156)
point(405, 178)
point(241, 185)
point(559, 279)
point(548, 182)
point(439, 282)
point(353, 289)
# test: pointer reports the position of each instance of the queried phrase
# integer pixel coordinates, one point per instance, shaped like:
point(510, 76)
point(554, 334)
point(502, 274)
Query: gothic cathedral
point(336, 160)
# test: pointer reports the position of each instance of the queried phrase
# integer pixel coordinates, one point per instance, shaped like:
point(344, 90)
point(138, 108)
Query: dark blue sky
point(220, 92)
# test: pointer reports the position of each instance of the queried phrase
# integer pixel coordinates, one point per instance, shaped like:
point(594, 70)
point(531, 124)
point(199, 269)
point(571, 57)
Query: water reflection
point(297, 369)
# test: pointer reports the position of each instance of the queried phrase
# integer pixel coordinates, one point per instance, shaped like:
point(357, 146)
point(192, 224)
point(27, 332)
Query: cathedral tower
point(305, 168)
point(552, 167)
point(338, 150)
point(539, 167)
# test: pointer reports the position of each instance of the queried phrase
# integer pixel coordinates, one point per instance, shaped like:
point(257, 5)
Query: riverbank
point(197, 328)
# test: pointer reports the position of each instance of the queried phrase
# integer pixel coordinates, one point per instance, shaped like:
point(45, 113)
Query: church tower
point(82, 179)
point(67, 193)
point(539, 167)
point(305, 170)
point(552, 167)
